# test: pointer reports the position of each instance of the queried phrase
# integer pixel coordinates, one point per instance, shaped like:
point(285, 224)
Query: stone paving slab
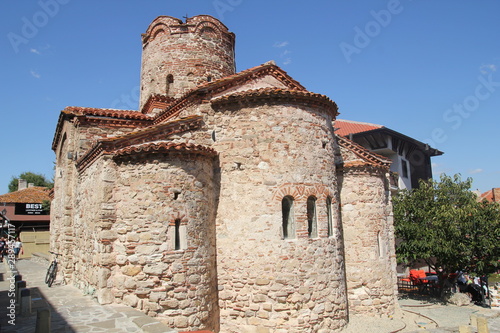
point(74, 312)
point(450, 317)
point(71, 311)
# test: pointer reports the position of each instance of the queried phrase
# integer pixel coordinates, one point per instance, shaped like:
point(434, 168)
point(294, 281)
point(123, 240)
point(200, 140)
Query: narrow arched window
point(329, 216)
point(312, 225)
point(169, 82)
point(288, 225)
point(380, 245)
point(177, 234)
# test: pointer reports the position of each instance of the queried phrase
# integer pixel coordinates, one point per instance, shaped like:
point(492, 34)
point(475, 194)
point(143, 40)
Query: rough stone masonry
point(226, 202)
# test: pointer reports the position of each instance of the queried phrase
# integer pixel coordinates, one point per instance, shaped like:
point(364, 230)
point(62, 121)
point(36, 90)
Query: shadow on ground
point(10, 321)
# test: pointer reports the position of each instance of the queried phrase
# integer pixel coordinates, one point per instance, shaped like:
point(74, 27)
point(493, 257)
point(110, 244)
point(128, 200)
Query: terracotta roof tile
point(114, 113)
point(225, 83)
point(34, 194)
point(346, 127)
point(166, 147)
point(280, 95)
point(492, 195)
point(138, 137)
point(157, 101)
point(366, 156)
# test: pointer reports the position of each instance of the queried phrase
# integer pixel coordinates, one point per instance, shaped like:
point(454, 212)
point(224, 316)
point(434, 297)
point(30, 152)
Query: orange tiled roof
point(225, 83)
point(492, 195)
point(166, 147)
point(35, 194)
point(367, 157)
point(279, 94)
point(144, 135)
point(346, 127)
point(114, 113)
point(126, 118)
point(156, 101)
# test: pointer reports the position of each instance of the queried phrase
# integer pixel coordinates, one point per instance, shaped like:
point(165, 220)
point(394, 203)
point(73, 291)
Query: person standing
point(18, 248)
point(3, 247)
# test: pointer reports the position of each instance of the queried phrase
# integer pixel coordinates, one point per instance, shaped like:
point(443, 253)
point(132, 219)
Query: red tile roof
point(492, 195)
point(114, 113)
point(284, 95)
point(166, 147)
point(225, 83)
point(367, 157)
point(113, 117)
point(36, 194)
point(346, 127)
point(144, 135)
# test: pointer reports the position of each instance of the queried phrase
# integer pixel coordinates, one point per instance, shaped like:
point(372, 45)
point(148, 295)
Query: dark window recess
point(312, 228)
point(404, 166)
point(177, 234)
point(287, 223)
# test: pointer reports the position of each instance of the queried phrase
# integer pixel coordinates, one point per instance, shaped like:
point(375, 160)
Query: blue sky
point(427, 69)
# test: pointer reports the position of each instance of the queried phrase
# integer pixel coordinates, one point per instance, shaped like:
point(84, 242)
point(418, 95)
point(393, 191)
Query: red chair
point(416, 278)
point(405, 284)
point(421, 274)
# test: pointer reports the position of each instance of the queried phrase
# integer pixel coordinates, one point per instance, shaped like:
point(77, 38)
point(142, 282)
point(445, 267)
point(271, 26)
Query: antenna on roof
point(186, 17)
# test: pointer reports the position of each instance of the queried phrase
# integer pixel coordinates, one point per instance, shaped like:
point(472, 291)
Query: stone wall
point(268, 283)
point(179, 56)
point(369, 241)
point(61, 224)
point(234, 270)
point(125, 250)
point(76, 139)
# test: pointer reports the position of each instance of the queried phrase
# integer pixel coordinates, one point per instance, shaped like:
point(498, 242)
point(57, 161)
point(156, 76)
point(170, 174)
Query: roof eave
point(423, 146)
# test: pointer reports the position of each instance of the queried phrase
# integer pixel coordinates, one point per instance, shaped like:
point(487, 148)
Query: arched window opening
point(287, 213)
point(329, 216)
point(169, 82)
point(177, 234)
point(208, 32)
point(380, 246)
point(312, 224)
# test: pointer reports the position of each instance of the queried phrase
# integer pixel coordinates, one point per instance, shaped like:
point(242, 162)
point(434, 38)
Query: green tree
point(30, 177)
point(443, 224)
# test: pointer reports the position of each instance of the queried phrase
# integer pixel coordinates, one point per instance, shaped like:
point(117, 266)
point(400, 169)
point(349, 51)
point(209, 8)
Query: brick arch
point(160, 28)
point(176, 215)
point(207, 26)
point(301, 191)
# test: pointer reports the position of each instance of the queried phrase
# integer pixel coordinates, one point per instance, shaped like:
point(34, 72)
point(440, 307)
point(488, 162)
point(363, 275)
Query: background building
point(411, 159)
point(26, 209)
point(492, 195)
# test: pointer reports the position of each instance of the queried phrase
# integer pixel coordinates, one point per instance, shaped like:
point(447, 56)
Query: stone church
point(226, 202)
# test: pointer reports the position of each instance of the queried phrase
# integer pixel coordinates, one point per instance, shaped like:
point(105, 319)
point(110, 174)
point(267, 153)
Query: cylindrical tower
point(178, 56)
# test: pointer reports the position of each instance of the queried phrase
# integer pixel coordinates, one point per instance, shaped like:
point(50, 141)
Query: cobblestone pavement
point(449, 318)
point(71, 311)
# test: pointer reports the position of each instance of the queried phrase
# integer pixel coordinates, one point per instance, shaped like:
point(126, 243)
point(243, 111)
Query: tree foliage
point(30, 177)
point(443, 224)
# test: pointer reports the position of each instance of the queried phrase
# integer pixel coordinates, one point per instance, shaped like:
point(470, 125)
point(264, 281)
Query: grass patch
point(493, 278)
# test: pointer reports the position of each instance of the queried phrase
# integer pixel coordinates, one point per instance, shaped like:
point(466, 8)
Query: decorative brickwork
point(166, 70)
point(227, 205)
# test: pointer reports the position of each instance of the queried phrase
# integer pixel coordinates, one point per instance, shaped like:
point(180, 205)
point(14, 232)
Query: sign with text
point(30, 209)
